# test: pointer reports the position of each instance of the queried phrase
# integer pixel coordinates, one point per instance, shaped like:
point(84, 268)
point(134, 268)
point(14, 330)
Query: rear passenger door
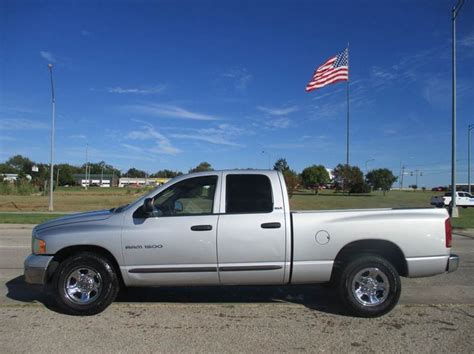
point(251, 240)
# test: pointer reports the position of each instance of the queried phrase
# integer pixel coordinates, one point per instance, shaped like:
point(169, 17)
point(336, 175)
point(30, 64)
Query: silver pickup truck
point(236, 228)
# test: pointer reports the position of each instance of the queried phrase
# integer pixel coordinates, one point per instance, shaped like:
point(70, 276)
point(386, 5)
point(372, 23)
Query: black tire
point(96, 275)
point(384, 301)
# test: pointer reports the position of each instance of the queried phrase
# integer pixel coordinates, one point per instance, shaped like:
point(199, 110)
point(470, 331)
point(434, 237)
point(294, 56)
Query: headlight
point(38, 246)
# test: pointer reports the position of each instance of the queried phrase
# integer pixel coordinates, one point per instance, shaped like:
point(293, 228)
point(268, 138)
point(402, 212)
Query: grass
point(26, 218)
point(71, 199)
point(466, 219)
point(78, 199)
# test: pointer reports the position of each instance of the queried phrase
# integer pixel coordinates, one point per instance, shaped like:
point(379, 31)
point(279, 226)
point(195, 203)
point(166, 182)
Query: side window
point(248, 194)
point(193, 196)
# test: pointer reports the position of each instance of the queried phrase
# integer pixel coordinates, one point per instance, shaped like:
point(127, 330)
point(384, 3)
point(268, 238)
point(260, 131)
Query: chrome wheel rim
point(83, 285)
point(370, 286)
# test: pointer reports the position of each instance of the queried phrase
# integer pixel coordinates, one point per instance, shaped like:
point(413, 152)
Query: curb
point(464, 232)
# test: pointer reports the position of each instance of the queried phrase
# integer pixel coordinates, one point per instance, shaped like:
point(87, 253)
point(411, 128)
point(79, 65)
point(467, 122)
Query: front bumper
point(453, 263)
point(36, 268)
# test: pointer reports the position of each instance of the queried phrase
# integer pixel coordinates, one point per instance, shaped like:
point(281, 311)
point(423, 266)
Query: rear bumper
point(453, 263)
point(36, 268)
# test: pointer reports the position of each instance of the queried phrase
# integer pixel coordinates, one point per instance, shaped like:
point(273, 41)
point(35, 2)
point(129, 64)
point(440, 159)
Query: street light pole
point(469, 132)
point(454, 209)
point(87, 166)
point(51, 177)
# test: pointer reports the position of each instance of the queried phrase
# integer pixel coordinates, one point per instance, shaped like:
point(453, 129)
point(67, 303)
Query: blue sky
point(157, 85)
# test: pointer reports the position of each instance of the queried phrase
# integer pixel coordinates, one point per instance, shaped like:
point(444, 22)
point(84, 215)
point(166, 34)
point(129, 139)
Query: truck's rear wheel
point(369, 286)
point(85, 284)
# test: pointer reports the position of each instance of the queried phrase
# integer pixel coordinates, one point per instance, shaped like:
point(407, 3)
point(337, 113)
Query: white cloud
point(140, 91)
point(162, 110)
point(436, 91)
point(162, 143)
point(78, 136)
point(467, 41)
point(240, 77)
point(48, 56)
point(379, 73)
point(21, 124)
point(280, 123)
point(278, 111)
point(223, 134)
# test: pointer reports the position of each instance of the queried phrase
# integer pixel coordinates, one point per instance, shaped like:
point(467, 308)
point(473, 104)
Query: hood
point(76, 218)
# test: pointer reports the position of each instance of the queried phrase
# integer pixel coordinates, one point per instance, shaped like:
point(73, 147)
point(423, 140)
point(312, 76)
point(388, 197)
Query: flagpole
point(347, 138)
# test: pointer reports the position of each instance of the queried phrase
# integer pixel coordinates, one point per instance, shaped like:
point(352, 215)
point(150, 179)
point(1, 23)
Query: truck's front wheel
point(369, 286)
point(85, 284)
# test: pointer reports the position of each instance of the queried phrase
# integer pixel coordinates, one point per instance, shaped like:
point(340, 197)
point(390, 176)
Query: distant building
point(464, 187)
point(95, 180)
point(141, 182)
point(12, 177)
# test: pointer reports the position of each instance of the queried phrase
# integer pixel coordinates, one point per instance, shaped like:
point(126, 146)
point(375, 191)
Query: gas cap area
point(322, 237)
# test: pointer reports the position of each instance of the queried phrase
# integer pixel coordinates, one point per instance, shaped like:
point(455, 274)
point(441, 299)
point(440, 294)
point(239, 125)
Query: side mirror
point(178, 206)
point(148, 206)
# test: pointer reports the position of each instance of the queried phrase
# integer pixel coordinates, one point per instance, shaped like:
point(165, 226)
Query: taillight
point(449, 232)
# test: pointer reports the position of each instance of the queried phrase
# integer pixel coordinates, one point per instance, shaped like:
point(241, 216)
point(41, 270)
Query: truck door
point(176, 244)
point(251, 241)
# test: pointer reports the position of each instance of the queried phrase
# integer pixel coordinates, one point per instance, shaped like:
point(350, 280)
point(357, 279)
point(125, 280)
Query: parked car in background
point(439, 189)
point(463, 199)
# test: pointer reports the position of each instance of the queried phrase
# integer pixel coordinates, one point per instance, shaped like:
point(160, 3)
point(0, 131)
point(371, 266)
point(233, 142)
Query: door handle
point(271, 225)
point(201, 228)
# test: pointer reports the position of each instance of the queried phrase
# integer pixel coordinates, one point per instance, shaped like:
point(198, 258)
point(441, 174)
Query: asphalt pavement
point(435, 314)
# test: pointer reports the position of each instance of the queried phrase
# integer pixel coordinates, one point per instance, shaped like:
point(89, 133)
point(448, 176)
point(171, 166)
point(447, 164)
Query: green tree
point(203, 166)
point(166, 174)
point(20, 164)
point(281, 165)
point(66, 174)
point(135, 173)
point(349, 179)
point(96, 168)
point(315, 176)
point(292, 181)
point(381, 178)
point(5, 168)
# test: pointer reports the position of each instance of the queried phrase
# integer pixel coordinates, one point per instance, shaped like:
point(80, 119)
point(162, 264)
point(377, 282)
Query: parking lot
point(435, 314)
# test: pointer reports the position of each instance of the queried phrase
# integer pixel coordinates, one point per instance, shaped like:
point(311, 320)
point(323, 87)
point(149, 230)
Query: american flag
point(335, 69)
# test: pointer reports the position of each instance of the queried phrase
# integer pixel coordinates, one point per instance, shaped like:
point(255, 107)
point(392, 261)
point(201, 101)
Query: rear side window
point(248, 194)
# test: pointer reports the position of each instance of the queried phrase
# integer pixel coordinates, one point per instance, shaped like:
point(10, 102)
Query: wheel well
point(69, 251)
point(385, 249)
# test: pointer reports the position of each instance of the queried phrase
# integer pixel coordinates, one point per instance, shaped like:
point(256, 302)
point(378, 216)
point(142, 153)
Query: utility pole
point(454, 209)
point(53, 104)
point(417, 173)
point(87, 165)
point(469, 136)
point(401, 177)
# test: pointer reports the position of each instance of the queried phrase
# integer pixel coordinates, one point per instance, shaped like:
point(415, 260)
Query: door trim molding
point(204, 269)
